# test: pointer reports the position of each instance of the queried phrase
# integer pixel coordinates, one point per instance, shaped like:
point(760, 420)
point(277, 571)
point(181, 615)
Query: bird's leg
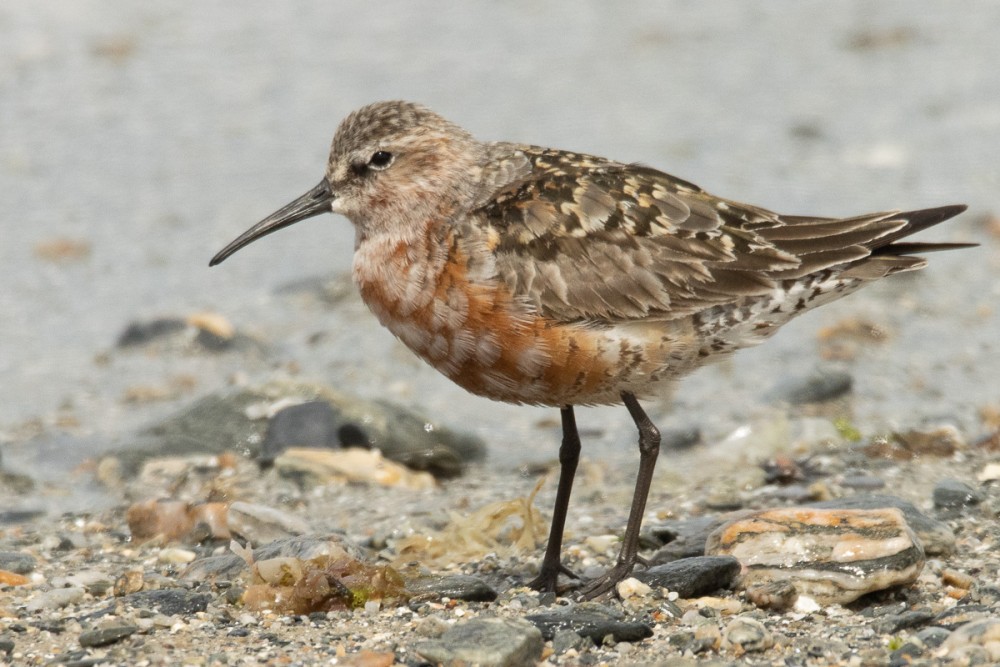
point(649, 448)
point(569, 456)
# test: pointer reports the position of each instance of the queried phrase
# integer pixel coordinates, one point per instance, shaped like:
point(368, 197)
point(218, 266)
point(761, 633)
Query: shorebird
point(545, 277)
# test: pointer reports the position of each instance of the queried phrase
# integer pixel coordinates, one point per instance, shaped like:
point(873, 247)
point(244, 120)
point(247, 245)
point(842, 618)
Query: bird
point(547, 277)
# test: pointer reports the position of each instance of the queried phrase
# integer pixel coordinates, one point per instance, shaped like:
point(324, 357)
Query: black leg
point(649, 448)
point(569, 456)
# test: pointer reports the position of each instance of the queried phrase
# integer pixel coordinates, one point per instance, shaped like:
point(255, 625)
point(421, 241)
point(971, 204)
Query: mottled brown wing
point(584, 238)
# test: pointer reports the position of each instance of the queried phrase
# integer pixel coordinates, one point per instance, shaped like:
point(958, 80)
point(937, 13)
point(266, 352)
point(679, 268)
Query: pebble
point(747, 635)
point(893, 623)
point(821, 386)
point(692, 577)
point(261, 524)
point(632, 588)
point(452, 586)
point(683, 538)
point(108, 634)
point(489, 642)
point(955, 494)
point(17, 562)
point(56, 598)
point(831, 556)
point(308, 424)
point(176, 556)
point(589, 619)
point(169, 602)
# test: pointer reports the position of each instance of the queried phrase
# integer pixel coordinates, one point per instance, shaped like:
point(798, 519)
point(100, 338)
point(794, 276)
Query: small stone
point(990, 472)
point(17, 562)
point(893, 623)
point(692, 577)
point(632, 588)
point(261, 524)
point(748, 634)
point(55, 599)
point(778, 595)
point(955, 494)
point(453, 586)
point(169, 602)
point(600, 544)
point(564, 640)
point(682, 539)
point(141, 333)
point(109, 634)
point(499, 642)
point(832, 556)
point(591, 620)
point(308, 424)
point(176, 556)
point(819, 387)
point(955, 578)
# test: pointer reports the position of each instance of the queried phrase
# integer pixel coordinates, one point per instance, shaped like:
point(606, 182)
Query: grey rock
point(933, 637)
point(109, 634)
point(490, 642)
point(692, 577)
point(566, 639)
point(454, 586)
point(821, 386)
point(893, 623)
point(169, 602)
point(17, 562)
point(309, 424)
point(955, 494)
point(55, 599)
point(591, 620)
point(935, 536)
point(141, 333)
point(6, 644)
point(682, 539)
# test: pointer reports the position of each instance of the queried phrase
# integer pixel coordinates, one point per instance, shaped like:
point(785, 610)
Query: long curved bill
point(312, 203)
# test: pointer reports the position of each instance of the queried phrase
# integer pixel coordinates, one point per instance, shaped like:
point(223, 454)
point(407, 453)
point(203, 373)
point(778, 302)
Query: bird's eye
point(380, 159)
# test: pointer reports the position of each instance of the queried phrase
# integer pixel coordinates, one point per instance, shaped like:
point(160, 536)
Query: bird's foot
point(606, 582)
point(547, 580)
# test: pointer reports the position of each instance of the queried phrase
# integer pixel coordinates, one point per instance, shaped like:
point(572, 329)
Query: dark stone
point(6, 644)
point(239, 632)
point(454, 586)
point(593, 621)
point(169, 601)
point(309, 424)
point(680, 438)
point(893, 623)
point(107, 635)
point(683, 539)
point(955, 494)
point(141, 333)
point(692, 577)
point(819, 387)
point(17, 562)
point(933, 637)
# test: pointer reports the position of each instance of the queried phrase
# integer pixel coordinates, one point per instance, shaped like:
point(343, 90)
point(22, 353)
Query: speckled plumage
point(533, 275)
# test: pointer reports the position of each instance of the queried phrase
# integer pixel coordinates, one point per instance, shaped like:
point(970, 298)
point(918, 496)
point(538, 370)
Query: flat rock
point(955, 494)
point(489, 642)
point(169, 601)
point(57, 598)
point(821, 386)
point(17, 562)
point(692, 577)
point(980, 638)
point(452, 586)
point(832, 556)
point(106, 635)
point(591, 620)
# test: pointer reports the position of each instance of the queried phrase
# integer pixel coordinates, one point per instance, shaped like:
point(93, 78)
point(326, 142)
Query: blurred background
point(136, 139)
